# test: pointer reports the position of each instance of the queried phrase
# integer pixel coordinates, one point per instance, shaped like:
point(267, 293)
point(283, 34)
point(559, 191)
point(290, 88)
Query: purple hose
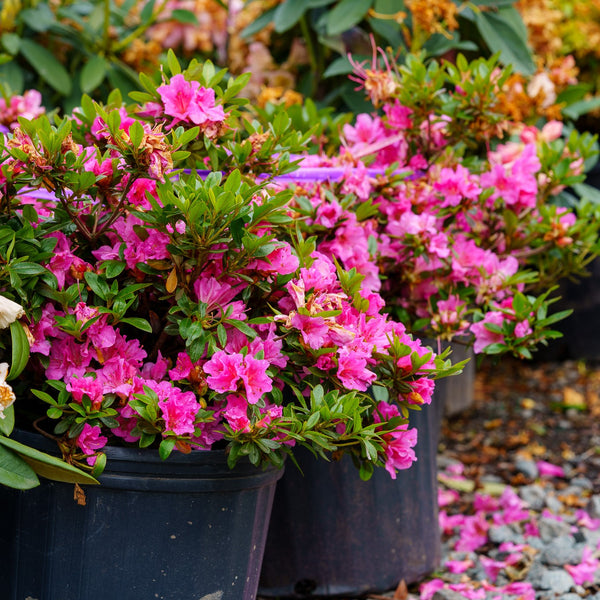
point(305, 174)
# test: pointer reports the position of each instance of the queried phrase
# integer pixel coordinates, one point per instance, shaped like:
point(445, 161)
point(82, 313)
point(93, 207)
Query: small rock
point(447, 595)
point(594, 506)
point(554, 504)
point(551, 529)
point(527, 467)
point(562, 551)
point(534, 495)
point(558, 581)
point(499, 534)
point(582, 482)
point(570, 596)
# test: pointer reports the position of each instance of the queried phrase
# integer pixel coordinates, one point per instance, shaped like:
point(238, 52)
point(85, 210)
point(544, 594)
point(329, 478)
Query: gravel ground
point(519, 491)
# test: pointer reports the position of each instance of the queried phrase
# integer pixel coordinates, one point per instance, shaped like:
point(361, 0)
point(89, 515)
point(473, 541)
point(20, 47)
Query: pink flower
point(352, 370)
point(224, 371)
point(428, 589)
point(227, 370)
point(584, 520)
point(473, 533)
point(256, 380)
point(399, 449)
point(314, 329)
point(188, 101)
point(547, 469)
point(483, 336)
point(90, 440)
point(236, 413)
point(585, 571)
point(86, 386)
point(179, 411)
point(459, 566)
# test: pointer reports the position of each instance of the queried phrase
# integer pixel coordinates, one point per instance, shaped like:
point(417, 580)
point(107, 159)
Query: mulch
point(538, 411)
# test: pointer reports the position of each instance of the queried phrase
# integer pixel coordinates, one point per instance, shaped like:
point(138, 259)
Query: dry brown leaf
point(79, 495)
point(528, 403)
point(573, 500)
point(401, 592)
point(171, 283)
point(493, 424)
point(573, 399)
point(593, 402)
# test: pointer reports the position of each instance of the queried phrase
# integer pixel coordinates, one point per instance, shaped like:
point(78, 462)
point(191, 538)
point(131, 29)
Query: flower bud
point(9, 311)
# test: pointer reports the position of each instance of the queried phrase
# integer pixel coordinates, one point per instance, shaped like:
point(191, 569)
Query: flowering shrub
point(456, 226)
point(171, 302)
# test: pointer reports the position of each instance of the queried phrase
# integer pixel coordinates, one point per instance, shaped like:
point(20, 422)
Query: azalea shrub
point(170, 299)
point(463, 219)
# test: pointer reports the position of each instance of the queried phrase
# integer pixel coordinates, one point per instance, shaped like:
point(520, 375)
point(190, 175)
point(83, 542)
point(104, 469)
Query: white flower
point(9, 311)
point(540, 82)
point(7, 396)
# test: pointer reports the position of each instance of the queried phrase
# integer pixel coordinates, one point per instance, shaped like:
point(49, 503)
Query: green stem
point(106, 33)
point(140, 29)
point(312, 54)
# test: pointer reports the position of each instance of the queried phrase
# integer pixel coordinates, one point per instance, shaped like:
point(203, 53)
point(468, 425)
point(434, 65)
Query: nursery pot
point(182, 529)
point(332, 534)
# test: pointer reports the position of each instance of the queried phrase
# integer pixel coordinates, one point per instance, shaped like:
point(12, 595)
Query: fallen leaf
point(528, 403)
point(401, 592)
point(461, 485)
point(573, 399)
point(493, 424)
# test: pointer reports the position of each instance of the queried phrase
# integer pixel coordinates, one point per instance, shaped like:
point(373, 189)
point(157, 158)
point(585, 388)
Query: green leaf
point(184, 16)
point(40, 18)
point(46, 465)
point(11, 43)
point(259, 24)
point(112, 268)
point(99, 286)
point(138, 322)
point(147, 11)
point(166, 447)
point(346, 15)
point(173, 63)
point(136, 134)
point(366, 470)
point(288, 14)
point(340, 66)
point(7, 424)
point(20, 350)
point(15, 472)
point(92, 74)
point(47, 66)
point(500, 36)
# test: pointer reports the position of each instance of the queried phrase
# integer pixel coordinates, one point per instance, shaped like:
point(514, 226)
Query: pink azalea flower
point(399, 449)
point(547, 469)
point(352, 370)
point(459, 566)
point(179, 411)
point(483, 336)
point(473, 533)
point(314, 330)
point(256, 380)
point(86, 386)
point(584, 520)
point(224, 371)
point(90, 440)
point(188, 101)
point(585, 571)
point(236, 413)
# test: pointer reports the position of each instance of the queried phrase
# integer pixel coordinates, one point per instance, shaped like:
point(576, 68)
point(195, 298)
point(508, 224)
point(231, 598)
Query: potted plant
point(458, 216)
point(182, 336)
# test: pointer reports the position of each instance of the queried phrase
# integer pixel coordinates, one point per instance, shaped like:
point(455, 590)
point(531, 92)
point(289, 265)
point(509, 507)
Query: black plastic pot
point(181, 529)
point(332, 534)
